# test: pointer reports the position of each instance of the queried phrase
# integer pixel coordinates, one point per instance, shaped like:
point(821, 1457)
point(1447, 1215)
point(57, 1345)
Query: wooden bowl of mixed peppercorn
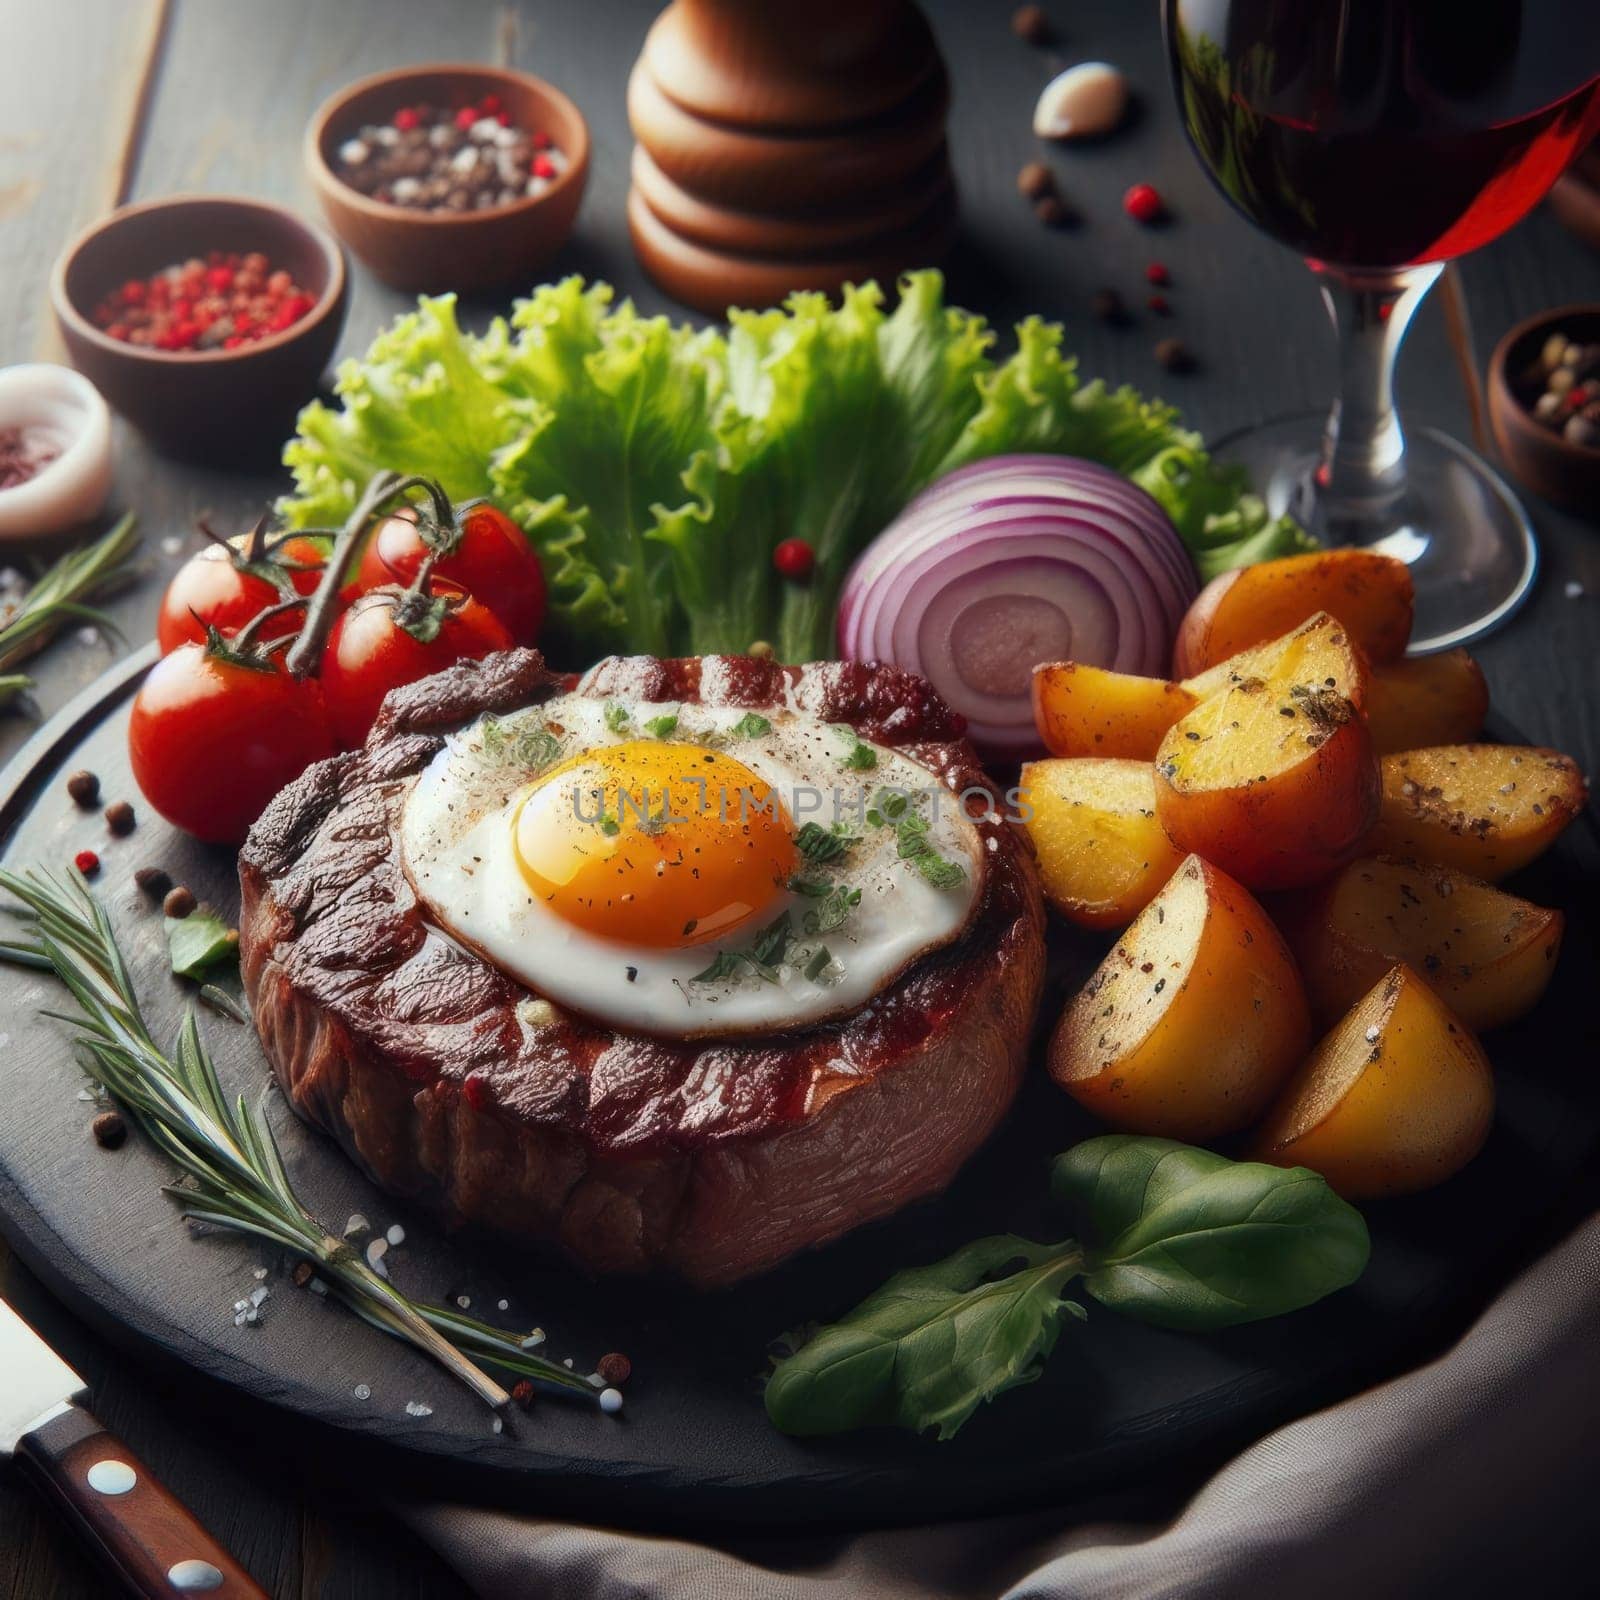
point(1544, 405)
point(450, 177)
point(206, 320)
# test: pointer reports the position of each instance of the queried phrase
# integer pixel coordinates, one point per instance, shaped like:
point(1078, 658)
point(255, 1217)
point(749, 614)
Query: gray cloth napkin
point(1473, 1474)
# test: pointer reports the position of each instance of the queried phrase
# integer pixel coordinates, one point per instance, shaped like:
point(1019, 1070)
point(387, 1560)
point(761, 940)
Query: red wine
point(1386, 133)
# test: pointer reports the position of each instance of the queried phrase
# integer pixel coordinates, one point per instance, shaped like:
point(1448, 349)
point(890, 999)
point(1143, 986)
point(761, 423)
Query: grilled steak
point(709, 1159)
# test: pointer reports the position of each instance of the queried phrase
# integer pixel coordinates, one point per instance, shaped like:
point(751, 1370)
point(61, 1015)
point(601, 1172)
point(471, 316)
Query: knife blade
point(130, 1519)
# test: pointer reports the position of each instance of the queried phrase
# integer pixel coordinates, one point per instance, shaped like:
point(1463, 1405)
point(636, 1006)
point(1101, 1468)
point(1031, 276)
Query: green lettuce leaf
point(656, 467)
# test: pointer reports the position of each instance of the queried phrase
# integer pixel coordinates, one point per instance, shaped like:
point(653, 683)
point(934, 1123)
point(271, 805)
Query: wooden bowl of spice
point(450, 177)
point(1544, 405)
point(206, 320)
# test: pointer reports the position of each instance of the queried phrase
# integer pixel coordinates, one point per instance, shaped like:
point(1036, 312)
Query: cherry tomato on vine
point(390, 637)
point(208, 590)
point(494, 563)
point(214, 737)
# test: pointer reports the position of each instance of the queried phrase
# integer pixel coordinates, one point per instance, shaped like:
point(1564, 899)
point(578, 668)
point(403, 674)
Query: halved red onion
point(1009, 562)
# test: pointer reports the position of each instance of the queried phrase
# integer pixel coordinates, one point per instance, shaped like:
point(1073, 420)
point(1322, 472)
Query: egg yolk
point(654, 844)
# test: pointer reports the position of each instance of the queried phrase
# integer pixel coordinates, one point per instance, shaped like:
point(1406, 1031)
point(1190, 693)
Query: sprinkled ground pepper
point(431, 158)
point(223, 302)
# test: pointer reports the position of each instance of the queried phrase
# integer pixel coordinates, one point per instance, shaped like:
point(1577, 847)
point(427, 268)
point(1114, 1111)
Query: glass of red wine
point(1381, 138)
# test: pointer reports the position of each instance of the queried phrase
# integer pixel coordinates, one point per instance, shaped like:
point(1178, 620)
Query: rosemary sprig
point(234, 1174)
point(58, 597)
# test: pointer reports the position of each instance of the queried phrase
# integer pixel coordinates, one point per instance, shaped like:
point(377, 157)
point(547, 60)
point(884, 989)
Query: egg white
point(457, 842)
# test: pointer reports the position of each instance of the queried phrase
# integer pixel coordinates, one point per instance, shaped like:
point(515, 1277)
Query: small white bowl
point(72, 489)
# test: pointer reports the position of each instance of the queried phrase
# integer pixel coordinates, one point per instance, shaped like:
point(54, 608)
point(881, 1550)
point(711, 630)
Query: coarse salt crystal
point(363, 1391)
point(260, 1296)
point(376, 1251)
point(259, 1274)
point(1572, 589)
point(503, 1305)
point(611, 1401)
point(464, 1301)
point(356, 1224)
point(396, 1235)
point(497, 1426)
point(317, 1286)
point(534, 1339)
point(87, 635)
point(1372, 1035)
point(172, 545)
point(415, 1408)
point(353, 152)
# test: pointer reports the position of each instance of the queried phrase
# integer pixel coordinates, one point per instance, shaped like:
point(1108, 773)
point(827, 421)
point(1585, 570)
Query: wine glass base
point(1458, 526)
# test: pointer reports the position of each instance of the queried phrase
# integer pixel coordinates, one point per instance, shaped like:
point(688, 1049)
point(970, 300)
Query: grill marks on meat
point(712, 1159)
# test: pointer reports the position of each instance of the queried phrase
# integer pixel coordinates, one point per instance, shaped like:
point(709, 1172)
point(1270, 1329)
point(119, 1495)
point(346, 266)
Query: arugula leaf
point(656, 467)
point(660, 727)
point(751, 726)
point(1187, 1239)
point(199, 941)
point(929, 1347)
point(820, 844)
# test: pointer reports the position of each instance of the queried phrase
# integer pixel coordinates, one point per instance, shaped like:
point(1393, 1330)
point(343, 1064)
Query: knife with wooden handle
point(128, 1517)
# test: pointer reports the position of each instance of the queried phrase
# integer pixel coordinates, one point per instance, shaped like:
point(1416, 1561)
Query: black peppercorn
point(179, 903)
point(1108, 306)
point(120, 818)
point(1175, 355)
point(84, 787)
point(153, 881)
point(1035, 181)
point(1032, 25)
point(109, 1129)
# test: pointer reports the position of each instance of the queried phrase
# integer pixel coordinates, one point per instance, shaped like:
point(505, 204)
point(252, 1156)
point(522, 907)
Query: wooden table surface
point(105, 101)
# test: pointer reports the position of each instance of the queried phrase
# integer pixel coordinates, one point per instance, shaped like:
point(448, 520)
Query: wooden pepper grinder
point(786, 147)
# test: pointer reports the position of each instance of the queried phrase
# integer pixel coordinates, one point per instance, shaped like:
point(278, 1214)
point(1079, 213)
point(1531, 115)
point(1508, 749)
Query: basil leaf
point(817, 843)
point(199, 941)
point(932, 1344)
point(617, 717)
point(660, 727)
point(1187, 1239)
point(751, 726)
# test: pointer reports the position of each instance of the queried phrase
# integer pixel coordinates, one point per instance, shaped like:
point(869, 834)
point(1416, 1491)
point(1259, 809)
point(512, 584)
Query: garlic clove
point(1088, 99)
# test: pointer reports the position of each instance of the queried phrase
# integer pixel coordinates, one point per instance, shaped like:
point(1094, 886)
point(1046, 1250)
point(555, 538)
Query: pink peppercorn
point(794, 559)
point(406, 118)
point(1157, 274)
point(465, 117)
point(87, 862)
point(1144, 204)
point(543, 167)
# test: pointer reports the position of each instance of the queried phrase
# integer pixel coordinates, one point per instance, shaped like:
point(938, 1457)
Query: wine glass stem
point(1362, 476)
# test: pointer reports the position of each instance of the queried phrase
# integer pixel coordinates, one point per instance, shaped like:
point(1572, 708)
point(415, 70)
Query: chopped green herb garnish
point(860, 756)
point(763, 958)
point(617, 717)
point(199, 942)
point(811, 888)
point(913, 846)
point(819, 963)
point(752, 725)
point(531, 748)
point(660, 727)
point(888, 805)
point(819, 844)
point(832, 911)
point(610, 827)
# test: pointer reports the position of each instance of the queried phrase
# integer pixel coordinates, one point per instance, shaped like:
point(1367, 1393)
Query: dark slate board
point(694, 1448)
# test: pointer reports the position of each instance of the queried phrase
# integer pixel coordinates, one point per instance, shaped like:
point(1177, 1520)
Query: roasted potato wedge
point(1103, 856)
point(1274, 779)
point(1426, 700)
point(1487, 954)
point(1193, 1022)
point(1398, 1097)
point(1088, 711)
point(1486, 809)
point(1370, 594)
